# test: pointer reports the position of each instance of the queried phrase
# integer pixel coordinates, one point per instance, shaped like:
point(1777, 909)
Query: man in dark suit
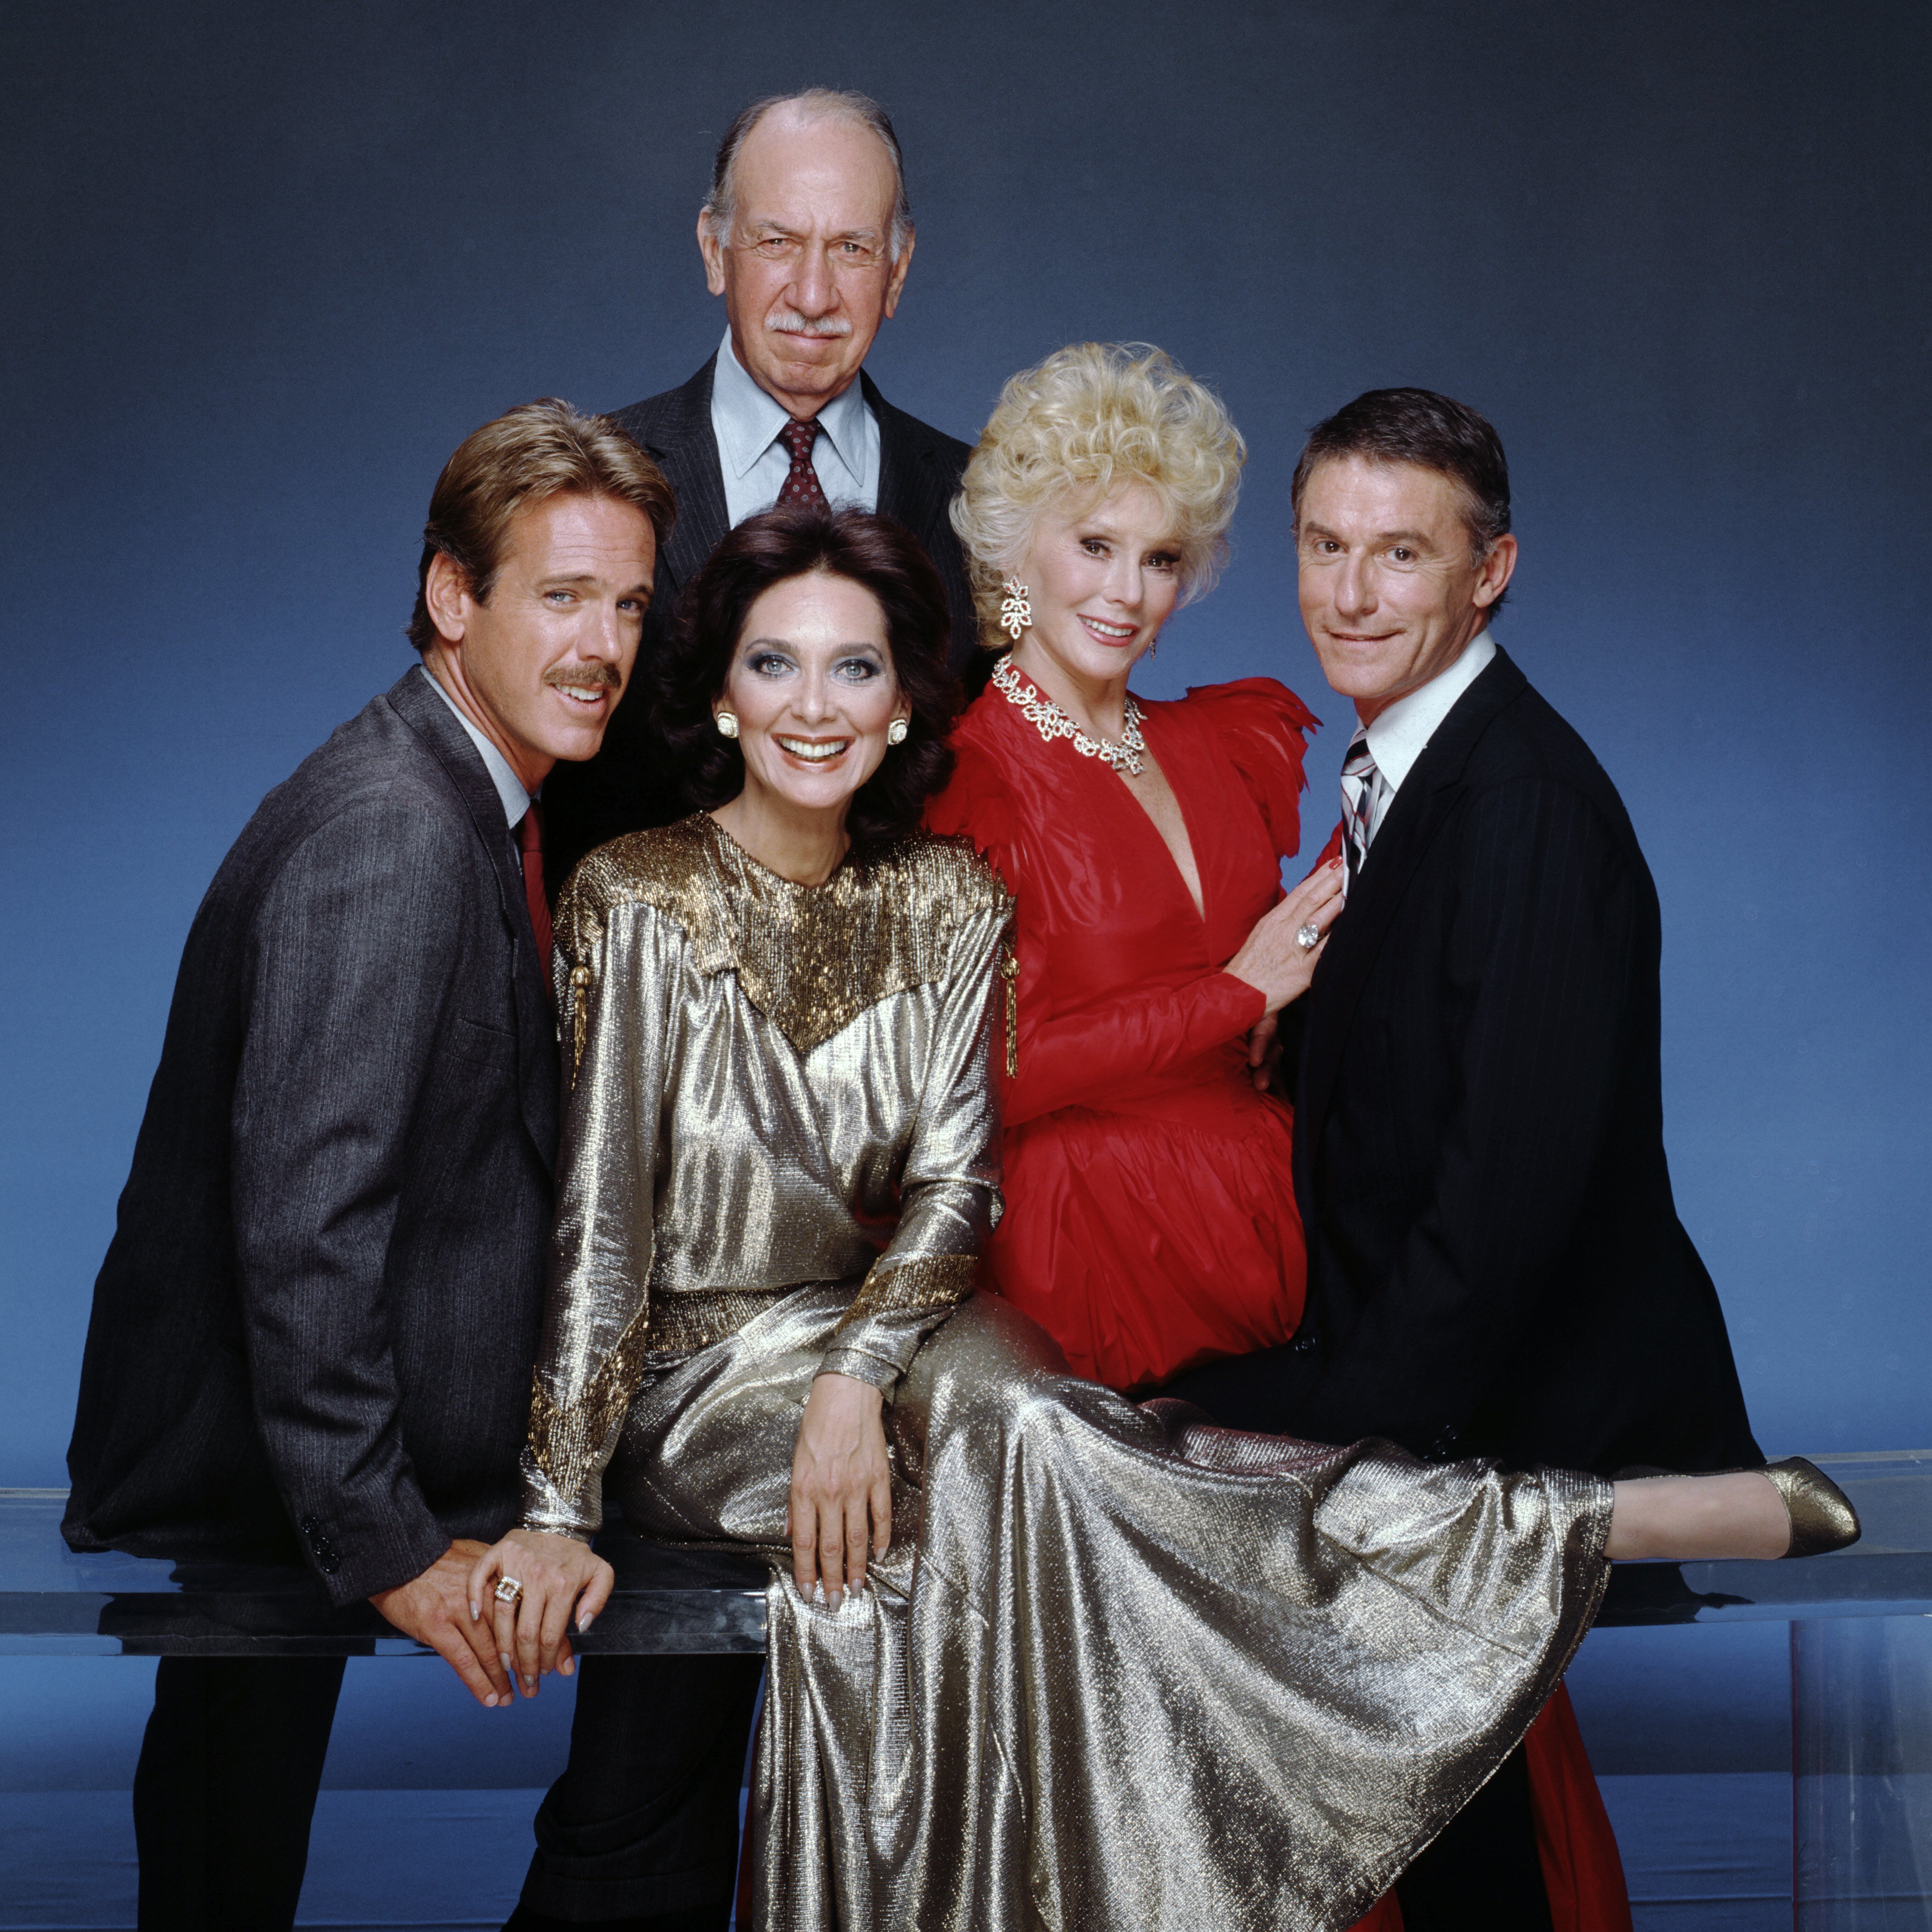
point(1495, 1266)
point(807, 235)
point(312, 1335)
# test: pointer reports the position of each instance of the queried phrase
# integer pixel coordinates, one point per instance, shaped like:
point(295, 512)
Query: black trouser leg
point(642, 1827)
point(225, 1790)
point(1262, 1393)
point(1483, 1874)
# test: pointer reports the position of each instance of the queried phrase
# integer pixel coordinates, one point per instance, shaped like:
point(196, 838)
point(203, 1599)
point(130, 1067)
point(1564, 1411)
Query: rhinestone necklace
point(1050, 722)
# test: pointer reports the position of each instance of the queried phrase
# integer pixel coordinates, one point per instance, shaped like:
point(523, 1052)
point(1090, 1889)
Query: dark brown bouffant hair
point(538, 450)
point(1433, 432)
point(686, 678)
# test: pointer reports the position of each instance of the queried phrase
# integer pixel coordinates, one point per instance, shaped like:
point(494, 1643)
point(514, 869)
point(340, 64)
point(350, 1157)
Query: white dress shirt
point(1398, 735)
point(509, 787)
point(746, 422)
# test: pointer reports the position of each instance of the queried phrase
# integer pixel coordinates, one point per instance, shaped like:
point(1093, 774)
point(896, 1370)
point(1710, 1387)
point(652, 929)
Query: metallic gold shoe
point(1822, 1519)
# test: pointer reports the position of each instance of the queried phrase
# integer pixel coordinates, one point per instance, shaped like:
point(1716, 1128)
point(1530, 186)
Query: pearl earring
point(1015, 613)
point(896, 731)
point(728, 724)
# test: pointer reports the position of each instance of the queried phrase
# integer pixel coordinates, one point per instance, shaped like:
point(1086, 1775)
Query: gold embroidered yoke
point(767, 1086)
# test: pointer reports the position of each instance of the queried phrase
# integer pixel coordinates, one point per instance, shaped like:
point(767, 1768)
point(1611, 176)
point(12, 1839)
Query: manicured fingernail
point(566, 1669)
point(583, 1621)
point(529, 1687)
point(489, 1702)
point(474, 1612)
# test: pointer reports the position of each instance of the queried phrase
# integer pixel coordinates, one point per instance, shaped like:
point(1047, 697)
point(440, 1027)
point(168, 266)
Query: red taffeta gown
point(1150, 1223)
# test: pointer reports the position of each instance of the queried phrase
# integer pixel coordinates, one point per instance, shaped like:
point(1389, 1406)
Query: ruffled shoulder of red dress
point(978, 802)
point(1260, 723)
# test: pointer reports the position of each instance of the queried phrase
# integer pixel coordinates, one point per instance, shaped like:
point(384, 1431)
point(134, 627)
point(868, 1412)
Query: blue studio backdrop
point(265, 267)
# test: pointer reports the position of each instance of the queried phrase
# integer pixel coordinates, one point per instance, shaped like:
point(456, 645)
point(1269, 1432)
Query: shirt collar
point(748, 421)
point(1397, 737)
point(509, 787)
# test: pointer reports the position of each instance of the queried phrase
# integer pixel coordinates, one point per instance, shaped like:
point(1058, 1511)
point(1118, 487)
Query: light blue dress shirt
point(746, 422)
point(509, 787)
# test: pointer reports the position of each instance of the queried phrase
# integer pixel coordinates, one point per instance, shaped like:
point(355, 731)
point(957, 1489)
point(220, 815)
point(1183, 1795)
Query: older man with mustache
point(807, 235)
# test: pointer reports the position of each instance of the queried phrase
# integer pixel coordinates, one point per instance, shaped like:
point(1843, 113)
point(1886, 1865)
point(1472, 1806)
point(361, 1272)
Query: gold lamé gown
point(1118, 1669)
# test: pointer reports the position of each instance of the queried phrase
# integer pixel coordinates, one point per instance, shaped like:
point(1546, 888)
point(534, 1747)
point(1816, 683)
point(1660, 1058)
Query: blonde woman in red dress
point(1150, 1223)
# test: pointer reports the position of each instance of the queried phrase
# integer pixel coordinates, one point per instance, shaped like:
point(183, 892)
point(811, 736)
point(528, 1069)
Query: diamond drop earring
point(1015, 613)
point(895, 732)
point(727, 724)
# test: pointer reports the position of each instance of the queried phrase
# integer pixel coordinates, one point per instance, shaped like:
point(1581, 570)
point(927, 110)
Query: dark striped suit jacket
point(312, 1332)
point(1495, 1263)
point(624, 787)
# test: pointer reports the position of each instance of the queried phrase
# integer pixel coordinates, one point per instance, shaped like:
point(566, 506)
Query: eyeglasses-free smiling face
point(1390, 591)
point(812, 687)
point(539, 665)
point(1102, 579)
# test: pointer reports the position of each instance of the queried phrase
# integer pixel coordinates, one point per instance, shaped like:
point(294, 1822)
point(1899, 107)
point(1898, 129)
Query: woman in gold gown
point(1038, 1655)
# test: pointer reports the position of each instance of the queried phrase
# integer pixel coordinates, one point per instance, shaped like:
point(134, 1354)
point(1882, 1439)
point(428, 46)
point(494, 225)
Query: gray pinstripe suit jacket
point(314, 1329)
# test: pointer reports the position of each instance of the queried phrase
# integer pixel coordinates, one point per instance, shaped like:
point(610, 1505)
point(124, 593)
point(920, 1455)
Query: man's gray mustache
point(793, 323)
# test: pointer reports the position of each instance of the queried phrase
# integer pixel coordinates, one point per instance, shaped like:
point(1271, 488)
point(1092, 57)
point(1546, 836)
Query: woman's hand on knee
point(558, 1575)
point(841, 1486)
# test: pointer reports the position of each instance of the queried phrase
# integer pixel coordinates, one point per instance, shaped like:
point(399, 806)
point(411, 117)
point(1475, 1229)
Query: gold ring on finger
point(508, 1590)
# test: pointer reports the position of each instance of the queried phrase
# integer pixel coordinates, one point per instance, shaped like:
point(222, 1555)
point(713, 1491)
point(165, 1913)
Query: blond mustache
point(585, 677)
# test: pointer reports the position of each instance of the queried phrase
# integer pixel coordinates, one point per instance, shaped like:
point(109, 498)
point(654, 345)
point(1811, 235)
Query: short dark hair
point(536, 451)
point(1433, 432)
point(684, 680)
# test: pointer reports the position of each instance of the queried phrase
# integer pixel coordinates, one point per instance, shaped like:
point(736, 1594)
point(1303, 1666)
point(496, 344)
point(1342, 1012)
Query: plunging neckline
point(1199, 907)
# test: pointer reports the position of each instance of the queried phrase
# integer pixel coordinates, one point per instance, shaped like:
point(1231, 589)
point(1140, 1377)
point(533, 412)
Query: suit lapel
point(679, 438)
point(1422, 806)
point(913, 487)
point(432, 722)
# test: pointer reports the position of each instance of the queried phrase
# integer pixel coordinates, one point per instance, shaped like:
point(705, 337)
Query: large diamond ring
point(508, 1590)
point(1308, 936)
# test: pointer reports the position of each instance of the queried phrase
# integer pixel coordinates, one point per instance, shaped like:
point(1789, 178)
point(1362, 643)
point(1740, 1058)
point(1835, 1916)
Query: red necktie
point(801, 486)
point(529, 840)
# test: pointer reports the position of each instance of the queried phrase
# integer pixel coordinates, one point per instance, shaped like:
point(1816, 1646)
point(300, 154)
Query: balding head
point(807, 235)
point(811, 104)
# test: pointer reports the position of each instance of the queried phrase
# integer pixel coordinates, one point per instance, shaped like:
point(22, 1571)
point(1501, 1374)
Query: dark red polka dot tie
point(801, 485)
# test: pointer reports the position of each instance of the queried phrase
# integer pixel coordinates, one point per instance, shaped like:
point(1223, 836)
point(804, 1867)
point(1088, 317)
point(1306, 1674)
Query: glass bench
point(1861, 1652)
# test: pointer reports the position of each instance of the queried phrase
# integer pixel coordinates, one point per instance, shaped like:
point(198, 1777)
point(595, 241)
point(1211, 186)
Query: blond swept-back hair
point(1092, 418)
point(538, 450)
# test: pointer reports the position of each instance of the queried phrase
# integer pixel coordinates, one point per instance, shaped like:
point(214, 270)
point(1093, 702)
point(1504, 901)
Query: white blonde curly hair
point(1092, 418)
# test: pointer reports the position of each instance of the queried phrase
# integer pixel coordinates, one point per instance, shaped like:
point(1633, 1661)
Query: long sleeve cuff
point(901, 1303)
point(356, 1555)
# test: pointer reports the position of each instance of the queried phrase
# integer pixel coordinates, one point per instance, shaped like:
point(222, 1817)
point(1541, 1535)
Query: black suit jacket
point(625, 787)
point(1495, 1263)
point(321, 1304)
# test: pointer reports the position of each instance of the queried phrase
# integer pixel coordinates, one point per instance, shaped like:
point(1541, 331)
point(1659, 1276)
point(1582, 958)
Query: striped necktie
point(1365, 797)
